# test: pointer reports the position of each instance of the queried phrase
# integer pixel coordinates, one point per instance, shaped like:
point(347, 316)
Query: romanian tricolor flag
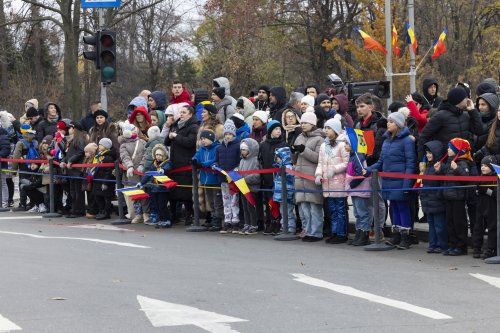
point(134, 193)
point(370, 43)
point(397, 50)
point(235, 178)
point(361, 141)
point(439, 46)
point(497, 169)
point(411, 39)
point(166, 181)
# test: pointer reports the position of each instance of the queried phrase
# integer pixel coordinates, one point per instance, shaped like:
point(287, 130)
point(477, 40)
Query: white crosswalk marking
point(494, 281)
point(6, 325)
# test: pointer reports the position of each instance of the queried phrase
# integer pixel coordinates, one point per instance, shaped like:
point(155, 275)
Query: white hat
point(308, 99)
point(334, 124)
point(310, 118)
point(262, 115)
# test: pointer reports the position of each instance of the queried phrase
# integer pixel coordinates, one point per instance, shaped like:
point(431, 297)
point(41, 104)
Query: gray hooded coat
point(251, 162)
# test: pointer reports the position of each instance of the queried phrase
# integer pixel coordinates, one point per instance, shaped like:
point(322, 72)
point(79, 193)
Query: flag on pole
point(370, 43)
point(361, 141)
point(396, 49)
point(166, 181)
point(134, 193)
point(239, 181)
point(411, 39)
point(439, 46)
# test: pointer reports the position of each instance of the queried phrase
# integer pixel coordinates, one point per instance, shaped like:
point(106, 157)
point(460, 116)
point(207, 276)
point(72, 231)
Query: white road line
point(95, 240)
point(24, 217)
point(494, 281)
point(346, 290)
point(6, 325)
point(99, 227)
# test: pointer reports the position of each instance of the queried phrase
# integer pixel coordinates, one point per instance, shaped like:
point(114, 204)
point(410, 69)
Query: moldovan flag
point(411, 38)
point(439, 46)
point(134, 193)
point(361, 142)
point(397, 50)
point(370, 43)
point(166, 181)
point(239, 181)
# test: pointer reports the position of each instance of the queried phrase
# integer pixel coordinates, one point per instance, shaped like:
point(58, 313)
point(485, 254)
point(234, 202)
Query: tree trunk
point(37, 46)
point(4, 73)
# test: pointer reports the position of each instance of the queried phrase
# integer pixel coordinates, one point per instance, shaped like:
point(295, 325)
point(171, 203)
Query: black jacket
point(266, 156)
point(435, 100)
point(104, 173)
point(463, 169)
point(75, 154)
point(276, 110)
point(432, 200)
point(449, 123)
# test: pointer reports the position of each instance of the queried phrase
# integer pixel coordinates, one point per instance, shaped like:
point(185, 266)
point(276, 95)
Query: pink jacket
point(364, 186)
point(332, 167)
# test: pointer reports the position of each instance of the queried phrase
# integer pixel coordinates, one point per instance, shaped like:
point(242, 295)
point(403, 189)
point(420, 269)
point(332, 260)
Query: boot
point(364, 239)
point(267, 228)
point(405, 240)
point(356, 237)
point(275, 227)
point(188, 221)
point(476, 253)
point(489, 253)
point(395, 237)
point(130, 208)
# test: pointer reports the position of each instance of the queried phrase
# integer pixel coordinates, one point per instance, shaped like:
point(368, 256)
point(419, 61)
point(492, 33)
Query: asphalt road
point(91, 281)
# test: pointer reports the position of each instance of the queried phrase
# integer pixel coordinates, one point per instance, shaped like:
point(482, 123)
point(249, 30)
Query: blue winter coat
point(432, 200)
point(397, 155)
point(227, 157)
point(286, 160)
point(206, 157)
point(243, 132)
point(166, 166)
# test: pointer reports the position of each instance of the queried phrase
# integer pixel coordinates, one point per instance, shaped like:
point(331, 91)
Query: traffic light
point(92, 55)
point(107, 55)
point(380, 89)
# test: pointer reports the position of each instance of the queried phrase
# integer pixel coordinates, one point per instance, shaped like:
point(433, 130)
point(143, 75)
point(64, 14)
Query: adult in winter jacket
point(340, 103)
point(259, 127)
point(277, 103)
point(306, 151)
point(132, 149)
point(4, 153)
point(419, 108)
point(223, 103)
point(48, 126)
point(246, 108)
point(182, 143)
point(157, 101)
point(103, 128)
point(142, 121)
point(456, 118)
point(262, 100)
point(223, 82)
point(397, 156)
point(487, 105)
point(89, 120)
point(430, 89)
point(291, 126)
point(492, 146)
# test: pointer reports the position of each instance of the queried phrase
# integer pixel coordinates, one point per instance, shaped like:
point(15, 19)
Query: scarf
point(53, 119)
point(98, 158)
point(329, 146)
point(181, 124)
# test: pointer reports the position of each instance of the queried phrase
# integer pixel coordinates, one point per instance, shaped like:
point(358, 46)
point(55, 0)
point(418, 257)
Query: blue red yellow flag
point(411, 39)
point(396, 49)
point(134, 193)
point(235, 178)
point(357, 140)
point(439, 46)
point(370, 43)
point(166, 181)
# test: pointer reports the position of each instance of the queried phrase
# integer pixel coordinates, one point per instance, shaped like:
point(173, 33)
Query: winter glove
point(317, 181)
point(140, 169)
point(138, 185)
point(130, 172)
point(62, 165)
point(489, 192)
point(161, 171)
point(299, 148)
point(104, 187)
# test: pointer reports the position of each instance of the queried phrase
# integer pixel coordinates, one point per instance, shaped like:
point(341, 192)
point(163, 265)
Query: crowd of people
point(210, 130)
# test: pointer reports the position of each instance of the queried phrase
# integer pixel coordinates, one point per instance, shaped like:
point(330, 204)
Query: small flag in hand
point(134, 193)
point(166, 181)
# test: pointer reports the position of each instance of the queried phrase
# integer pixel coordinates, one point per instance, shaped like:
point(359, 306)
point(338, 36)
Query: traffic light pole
point(104, 96)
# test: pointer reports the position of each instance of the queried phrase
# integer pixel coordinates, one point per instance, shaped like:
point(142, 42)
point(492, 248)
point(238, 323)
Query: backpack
point(32, 153)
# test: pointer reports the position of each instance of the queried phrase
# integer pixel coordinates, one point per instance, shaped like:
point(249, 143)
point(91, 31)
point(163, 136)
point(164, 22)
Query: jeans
point(214, 198)
point(438, 237)
point(311, 215)
point(337, 211)
point(362, 213)
point(292, 227)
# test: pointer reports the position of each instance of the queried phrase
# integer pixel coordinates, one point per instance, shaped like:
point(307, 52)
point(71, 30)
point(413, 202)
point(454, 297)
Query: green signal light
point(108, 72)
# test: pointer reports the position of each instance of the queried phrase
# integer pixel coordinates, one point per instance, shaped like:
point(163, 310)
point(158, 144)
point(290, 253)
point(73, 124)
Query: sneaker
point(214, 228)
point(34, 210)
point(236, 229)
point(476, 253)
point(302, 234)
point(10, 203)
point(226, 229)
point(244, 230)
point(89, 216)
point(151, 222)
point(163, 224)
point(251, 231)
point(137, 219)
point(42, 208)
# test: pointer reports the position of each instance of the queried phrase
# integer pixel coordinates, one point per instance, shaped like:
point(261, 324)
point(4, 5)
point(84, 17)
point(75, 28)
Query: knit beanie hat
point(153, 132)
point(47, 139)
point(77, 125)
point(32, 112)
point(420, 99)
point(398, 118)
point(61, 125)
point(25, 128)
point(395, 106)
point(100, 112)
point(321, 97)
point(262, 115)
point(266, 88)
point(106, 143)
point(309, 117)
point(459, 146)
point(229, 127)
point(208, 134)
point(238, 120)
point(310, 109)
point(405, 111)
point(210, 108)
point(200, 95)
point(489, 160)
point(334, 124)
point(272, 125)
point(220, 92)
point(456, 95)
point(91, 148)
point(308, 99)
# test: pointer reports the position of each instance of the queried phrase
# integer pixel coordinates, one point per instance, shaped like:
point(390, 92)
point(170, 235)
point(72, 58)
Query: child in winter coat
point(205, 158)
point(459, 163)
point(227, 157)
point(249, 149)
point(397, 155)
point(90, 152)
point(432, 200)
point(283, 157)
point(361, 199)
point(159, 193)
point(103, 190)
point(33, 188)
point(487, 212)
point(306, 148)
point(26, 144)
point(330, 173)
